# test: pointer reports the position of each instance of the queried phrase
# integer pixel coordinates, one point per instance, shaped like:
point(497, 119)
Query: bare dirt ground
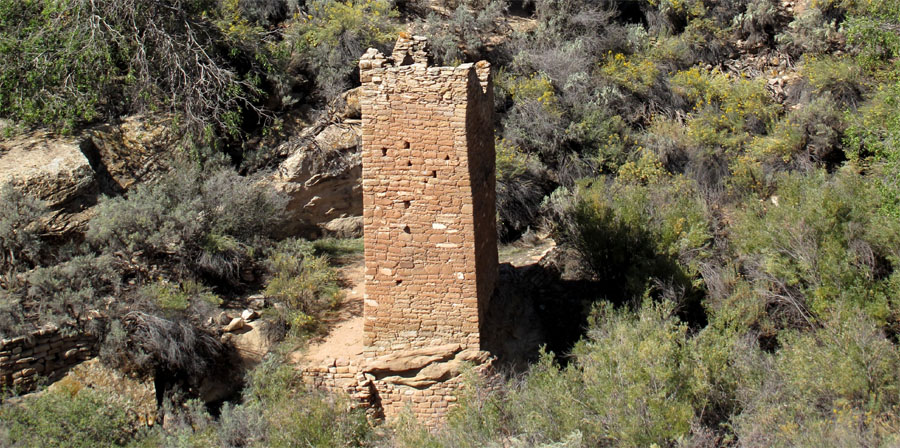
point(345, 326)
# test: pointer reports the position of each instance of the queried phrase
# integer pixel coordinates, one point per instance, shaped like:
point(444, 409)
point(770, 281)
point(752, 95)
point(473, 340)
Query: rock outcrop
point(350, 227)
point(70, 173)
point(421, 374)
point(322, 180)
point(320, 173)
point(132, 151)
point(54, 170)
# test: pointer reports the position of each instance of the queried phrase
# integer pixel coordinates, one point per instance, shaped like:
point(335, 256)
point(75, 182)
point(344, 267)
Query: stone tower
point(428, 200)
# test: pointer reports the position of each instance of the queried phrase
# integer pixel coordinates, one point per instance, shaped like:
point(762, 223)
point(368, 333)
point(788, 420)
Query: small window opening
point(406, 229)
point(408, 163)
point(383, 152)
point(405, 145)
point(434, 174)
point(399, 282)
point(446, 157)
point(406, 204)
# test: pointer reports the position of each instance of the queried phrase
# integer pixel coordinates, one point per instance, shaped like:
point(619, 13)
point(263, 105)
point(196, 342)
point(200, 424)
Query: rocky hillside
point(720, 178)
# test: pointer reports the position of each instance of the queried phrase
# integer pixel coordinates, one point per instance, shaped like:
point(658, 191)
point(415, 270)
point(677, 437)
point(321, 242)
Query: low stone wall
point(429, 405)
point(386, 391)
point(342, 376)
point(49, 353)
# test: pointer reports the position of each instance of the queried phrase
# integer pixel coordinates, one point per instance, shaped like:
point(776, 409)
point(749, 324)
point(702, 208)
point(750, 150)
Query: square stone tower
point(428, 200)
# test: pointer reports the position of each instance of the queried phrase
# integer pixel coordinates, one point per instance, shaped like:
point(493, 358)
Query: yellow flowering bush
point(635, 73)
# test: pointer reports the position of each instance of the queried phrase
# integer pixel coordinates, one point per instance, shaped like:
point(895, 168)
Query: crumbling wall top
point(409, 50)
point(414, 52)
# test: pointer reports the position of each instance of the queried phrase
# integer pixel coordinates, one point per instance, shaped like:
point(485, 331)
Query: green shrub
point(71, 290)
point(810, 134)
point(54, 72)
point(266, 12)
point(571, 19)
point(296, 417)
point(535, 122)
point(607, 141)
point(303, 282)
point(338, 247)
point(72, 62)
point(636, 74)
point(667, 139)
point(208, 224)
point(328, 38)
point(726, 109)
point(520, 190)
point(12, 316)
point(646, 169)
point(872, 31)
point(20, 243)
point(672, 51)
point(874, 132)
point(638, 379)
point(277, 410)
point(511, 161)
point(463, 35)
point(756, 25)
point(841, 77)
point(632, 235)
point(810, 33)
point(176, 298)
point(836, 386)
point(176, 351)
point(821, 242)
point(20, 232)
point(639, 376)
point(671, 15)
point(873, 138)
point(67, 418)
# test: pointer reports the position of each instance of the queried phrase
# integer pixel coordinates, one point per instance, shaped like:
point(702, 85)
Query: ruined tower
point(430, 235)
point(428, 200)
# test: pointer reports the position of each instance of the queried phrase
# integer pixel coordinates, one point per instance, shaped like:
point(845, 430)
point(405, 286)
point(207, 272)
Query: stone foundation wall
point(382, 394)
point(341, 376)
point(48, 353)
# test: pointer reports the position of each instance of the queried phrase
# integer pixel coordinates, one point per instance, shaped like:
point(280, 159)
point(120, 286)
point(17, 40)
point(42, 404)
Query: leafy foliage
point(277, 411)
point(303, 282)
point(53, 418)
point(626, 235)
point(207, 224)
point(329, 37)
point(831, 248)
point(72, 62)
point(834, 385)
point(463, 35)
point(20, 243)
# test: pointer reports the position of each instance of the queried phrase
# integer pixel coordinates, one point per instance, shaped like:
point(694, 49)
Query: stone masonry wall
point(428, 199)
point(385, 395)
point(49, 353)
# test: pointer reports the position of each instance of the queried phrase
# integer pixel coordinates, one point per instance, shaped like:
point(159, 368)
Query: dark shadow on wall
point(532, 307)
